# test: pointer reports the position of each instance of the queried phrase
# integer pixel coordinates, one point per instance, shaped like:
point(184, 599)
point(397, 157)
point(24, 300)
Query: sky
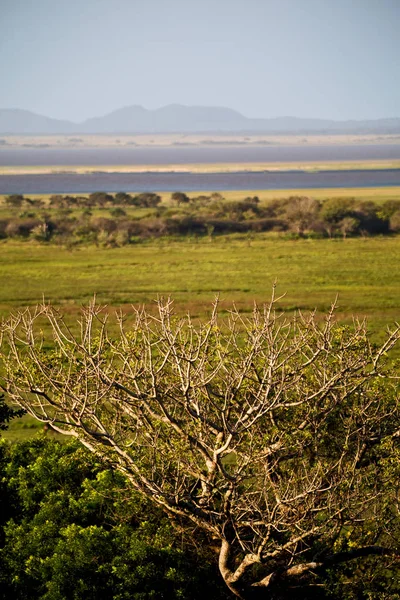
point(337, 59)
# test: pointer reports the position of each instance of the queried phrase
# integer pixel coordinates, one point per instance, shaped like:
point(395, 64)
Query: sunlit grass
point(363, 272)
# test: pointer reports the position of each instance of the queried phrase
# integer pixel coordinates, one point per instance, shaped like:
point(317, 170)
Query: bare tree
point(276, 437)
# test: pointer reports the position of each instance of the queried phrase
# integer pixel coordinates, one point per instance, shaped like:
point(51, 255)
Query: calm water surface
point(152, 181)
point(187, 155)
point(140, 182)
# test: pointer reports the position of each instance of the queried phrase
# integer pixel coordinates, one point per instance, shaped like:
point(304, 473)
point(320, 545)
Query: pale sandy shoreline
point(312, 166)
point(188, 140)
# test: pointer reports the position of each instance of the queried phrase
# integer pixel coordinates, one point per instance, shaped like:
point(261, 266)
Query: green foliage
point(180, 198)
point(117, 212)
point(100, 199)
point(7, 413)
point(365, 579)
point(70, 529)
point(15, 200)
point(147, 199)
point(336, 209)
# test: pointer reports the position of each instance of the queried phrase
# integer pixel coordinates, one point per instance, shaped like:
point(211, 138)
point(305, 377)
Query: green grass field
point(363, 272)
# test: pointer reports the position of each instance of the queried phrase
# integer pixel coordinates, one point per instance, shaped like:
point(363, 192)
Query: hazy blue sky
point(73, 59)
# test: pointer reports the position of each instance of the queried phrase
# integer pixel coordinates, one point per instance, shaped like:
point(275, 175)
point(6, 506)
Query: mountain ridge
point(178, 118)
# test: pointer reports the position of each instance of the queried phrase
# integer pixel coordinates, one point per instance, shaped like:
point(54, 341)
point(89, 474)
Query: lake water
point(190, 155)
point(153, 181)
point(140, 182)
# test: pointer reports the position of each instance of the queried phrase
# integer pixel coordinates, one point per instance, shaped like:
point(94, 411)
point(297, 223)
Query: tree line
point(122, 218)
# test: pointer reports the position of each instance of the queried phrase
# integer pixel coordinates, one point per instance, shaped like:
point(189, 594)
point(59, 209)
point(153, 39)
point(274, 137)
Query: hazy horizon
point(265, 59)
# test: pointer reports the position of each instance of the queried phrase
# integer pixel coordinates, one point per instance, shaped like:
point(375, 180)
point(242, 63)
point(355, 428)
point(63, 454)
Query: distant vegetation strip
point(190, 140)
point(308, 167)
point(377, 194)
point(112, 220)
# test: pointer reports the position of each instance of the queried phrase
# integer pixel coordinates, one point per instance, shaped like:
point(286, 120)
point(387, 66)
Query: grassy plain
point(363, 272)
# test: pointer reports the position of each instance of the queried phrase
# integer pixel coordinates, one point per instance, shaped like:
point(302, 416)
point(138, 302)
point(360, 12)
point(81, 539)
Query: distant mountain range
point(176, 118)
